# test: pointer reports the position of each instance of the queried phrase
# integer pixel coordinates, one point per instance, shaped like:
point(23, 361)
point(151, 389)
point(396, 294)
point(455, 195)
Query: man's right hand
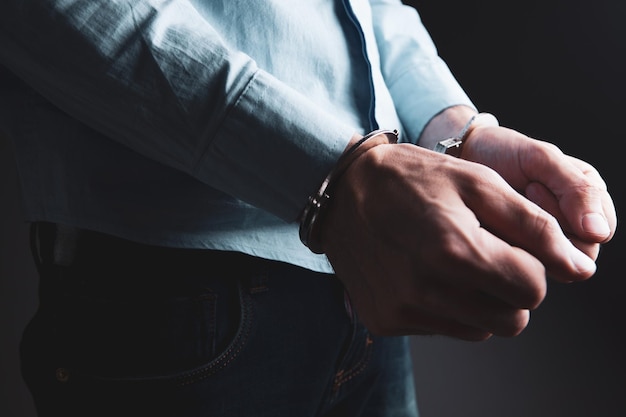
point(430, 244)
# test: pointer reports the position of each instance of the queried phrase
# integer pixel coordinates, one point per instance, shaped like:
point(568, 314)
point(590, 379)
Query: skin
point(427, 243)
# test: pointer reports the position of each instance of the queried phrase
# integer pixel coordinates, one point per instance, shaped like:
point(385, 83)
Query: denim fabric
point(131, 330)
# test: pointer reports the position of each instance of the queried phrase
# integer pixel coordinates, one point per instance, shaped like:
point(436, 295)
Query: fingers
point(543, 197)
point(504, 272)
point(466, 255)
point(471, 303)
point(422, 323)
point(466, 313)
point(467, 283)
point(462, 315)
point(467, 286)
point(608, 207)
point(523, 224)
point(574, 191)
point(594, 228)
point(585, 207)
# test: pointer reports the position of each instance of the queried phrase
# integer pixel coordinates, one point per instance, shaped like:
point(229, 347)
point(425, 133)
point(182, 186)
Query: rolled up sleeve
point(420, 82)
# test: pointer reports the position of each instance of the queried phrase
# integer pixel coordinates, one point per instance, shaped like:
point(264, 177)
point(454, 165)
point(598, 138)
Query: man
point(224, 224)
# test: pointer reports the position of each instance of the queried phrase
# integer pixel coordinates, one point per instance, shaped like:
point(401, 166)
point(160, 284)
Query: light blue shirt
point(206, 123)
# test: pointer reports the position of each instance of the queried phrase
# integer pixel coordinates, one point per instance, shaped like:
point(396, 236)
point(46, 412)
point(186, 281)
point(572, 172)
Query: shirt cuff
point(280, 145)
point(435, 90)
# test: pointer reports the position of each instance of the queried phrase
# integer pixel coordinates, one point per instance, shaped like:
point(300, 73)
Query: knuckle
point(530, 286)
point(453, 247)
point(537, 294)
point(547, 151)
point(518, 322)
point(543, 222)
point(542, 151)
point(551, 149)
point(532, 294)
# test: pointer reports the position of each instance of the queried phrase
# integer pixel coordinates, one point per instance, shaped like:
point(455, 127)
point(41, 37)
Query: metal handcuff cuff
point(309, 234)
point(453, 146)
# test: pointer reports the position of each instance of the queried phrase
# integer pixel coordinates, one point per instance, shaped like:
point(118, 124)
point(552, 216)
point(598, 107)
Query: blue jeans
point(132, 330)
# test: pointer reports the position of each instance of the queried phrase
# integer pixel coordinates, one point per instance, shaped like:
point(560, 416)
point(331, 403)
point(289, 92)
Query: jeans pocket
point(128, 358)
point(146, 338)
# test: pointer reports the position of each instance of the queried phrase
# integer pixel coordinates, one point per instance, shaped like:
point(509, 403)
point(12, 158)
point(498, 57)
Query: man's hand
point(428, 243)
point(568, 188)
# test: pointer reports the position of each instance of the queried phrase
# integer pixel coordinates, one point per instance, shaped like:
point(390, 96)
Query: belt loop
point(65, 245)
point(35, 242)
point(347, 303)
point(53, 243)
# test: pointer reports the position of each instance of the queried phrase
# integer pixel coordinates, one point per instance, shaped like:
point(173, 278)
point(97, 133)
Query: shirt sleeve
point(420, 82)
point(155, 76)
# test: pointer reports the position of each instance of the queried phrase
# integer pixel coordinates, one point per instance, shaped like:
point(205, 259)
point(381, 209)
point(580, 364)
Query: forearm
point(159, 78)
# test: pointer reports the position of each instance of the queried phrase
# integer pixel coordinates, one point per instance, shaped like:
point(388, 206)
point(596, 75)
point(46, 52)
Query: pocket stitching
point(231, 352)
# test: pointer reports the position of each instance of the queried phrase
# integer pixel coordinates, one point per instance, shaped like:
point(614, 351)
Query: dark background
point(551, 69)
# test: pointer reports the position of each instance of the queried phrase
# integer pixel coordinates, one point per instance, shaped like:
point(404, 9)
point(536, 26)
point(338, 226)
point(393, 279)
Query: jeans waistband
point(64, 246)
point(73, 259)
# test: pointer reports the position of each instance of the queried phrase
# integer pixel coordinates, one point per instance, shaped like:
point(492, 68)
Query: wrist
point(454, 145)
point(317, 203)
point(445, 124)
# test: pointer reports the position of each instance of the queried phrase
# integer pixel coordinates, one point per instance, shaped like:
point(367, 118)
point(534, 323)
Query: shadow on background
point(552, 69)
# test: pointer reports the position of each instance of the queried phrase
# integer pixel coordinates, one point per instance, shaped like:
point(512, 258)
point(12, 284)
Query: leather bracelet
point(314, 209)
point(453, 146)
